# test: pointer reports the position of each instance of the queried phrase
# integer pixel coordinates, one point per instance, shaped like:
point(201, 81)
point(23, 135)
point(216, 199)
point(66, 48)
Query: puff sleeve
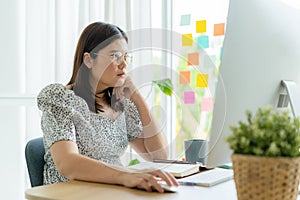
point(55, 102)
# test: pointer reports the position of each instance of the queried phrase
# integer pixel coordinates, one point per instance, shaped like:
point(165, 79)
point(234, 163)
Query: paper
point(203, 41)
point(201, 26)
point(219, 29)
point(187, 39)
point(193, 58)
point(207, 104)
point(185, 20)
point(189, 97)
point(202, 80)
point(184, 77)
point(178, 170)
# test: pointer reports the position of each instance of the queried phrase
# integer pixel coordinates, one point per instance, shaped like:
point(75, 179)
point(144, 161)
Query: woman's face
point(109, 67)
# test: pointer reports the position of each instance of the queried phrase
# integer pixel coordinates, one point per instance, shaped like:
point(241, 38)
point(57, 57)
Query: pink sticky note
point(207, 104)
point(189, 97)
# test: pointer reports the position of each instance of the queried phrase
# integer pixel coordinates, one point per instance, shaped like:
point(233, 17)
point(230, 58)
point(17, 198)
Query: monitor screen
point(261, 48)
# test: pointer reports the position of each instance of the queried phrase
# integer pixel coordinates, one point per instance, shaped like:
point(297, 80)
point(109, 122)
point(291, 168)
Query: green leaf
point(165, 85)
point(133, 162)
point(269, 132)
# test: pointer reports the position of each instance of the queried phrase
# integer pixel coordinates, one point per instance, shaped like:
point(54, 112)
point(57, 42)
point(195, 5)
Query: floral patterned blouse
point(66, 116)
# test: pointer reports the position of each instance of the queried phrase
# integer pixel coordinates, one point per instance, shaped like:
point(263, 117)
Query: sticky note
point(207, 104)
point(185, 20)
point(202, 80)
point(193, 58)
point(209, 61)
point(201, 26)
point(189, 97)
point(184, 77)
point(187, 39)
point(203, 41)
point(219, 29)
point(221, 52)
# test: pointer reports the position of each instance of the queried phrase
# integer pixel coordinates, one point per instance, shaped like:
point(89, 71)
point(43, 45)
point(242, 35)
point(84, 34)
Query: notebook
point(177, 170)
point(208, 178)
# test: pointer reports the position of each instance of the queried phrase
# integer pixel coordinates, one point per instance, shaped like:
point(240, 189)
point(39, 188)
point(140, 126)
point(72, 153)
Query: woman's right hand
point(147, 178)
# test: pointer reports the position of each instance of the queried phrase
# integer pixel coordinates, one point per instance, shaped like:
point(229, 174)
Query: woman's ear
point(88, 60)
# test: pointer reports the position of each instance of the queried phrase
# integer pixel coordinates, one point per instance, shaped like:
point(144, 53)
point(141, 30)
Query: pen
point(173, 161)
point(187, 183)
point(225, 166)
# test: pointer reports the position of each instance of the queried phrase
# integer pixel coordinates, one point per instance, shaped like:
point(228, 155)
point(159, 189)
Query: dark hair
point(94, 37)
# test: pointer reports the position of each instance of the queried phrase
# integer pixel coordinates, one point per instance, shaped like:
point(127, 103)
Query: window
point(200, 26)
point(192, 63)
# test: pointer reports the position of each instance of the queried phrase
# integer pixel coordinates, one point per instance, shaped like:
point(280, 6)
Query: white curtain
point(38, 39)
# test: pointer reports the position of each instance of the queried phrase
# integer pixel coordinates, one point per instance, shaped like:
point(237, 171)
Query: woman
point(89, 123)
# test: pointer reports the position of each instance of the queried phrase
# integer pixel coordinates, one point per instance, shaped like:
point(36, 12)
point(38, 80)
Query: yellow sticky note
point(219, 29)
point(193, 58)
point(184, 77)
point(187, 39)
point(202, 80)
point(201, 26)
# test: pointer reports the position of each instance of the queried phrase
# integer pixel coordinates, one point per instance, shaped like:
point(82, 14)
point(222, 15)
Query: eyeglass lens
point(119, 58)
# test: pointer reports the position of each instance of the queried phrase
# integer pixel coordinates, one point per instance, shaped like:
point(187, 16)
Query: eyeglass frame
point(118, 59)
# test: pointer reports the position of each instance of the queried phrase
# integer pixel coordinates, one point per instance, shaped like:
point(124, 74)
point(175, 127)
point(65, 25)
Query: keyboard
point(208, 178)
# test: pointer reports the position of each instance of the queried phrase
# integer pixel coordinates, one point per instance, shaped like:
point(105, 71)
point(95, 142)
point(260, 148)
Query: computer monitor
point(261, 48)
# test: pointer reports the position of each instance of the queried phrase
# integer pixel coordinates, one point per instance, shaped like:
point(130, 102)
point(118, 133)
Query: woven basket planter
point(266, 178)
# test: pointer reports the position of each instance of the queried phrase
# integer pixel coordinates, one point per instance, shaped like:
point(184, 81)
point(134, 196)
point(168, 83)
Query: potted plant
point(265, 157)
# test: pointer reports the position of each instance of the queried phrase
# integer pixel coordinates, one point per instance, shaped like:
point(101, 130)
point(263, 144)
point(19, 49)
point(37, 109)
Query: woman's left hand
point(126, 90)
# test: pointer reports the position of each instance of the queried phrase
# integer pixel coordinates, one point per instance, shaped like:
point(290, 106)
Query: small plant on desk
point(266, 158)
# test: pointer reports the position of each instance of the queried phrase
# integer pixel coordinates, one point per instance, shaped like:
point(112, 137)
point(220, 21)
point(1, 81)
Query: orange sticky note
point(219, 29)
point(187, 39)
point(202, 80)
point(189, 97)
point(193, 58)
point(184, 77)
point(207, 104)
point(201, 26)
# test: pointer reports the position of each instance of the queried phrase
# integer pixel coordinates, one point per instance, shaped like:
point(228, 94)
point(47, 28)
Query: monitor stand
point(293, 92)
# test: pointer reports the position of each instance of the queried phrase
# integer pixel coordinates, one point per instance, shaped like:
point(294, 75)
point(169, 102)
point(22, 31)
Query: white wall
point(37, 46)
point(16, 107)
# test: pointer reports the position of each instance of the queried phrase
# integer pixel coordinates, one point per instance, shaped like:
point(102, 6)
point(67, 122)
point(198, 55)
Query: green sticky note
point(185, 20)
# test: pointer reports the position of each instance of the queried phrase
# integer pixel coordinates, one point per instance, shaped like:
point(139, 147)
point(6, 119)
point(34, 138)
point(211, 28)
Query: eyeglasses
point(118, 57)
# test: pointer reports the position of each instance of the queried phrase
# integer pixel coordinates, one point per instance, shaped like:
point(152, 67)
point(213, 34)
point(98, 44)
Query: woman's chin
point(119, 83)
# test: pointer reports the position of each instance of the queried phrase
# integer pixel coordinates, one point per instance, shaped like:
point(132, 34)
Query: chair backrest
point(34, 154)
